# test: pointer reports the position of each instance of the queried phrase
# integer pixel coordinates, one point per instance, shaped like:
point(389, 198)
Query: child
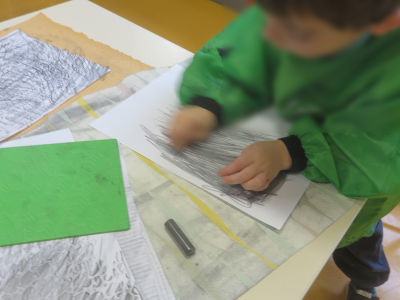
point(332, 67)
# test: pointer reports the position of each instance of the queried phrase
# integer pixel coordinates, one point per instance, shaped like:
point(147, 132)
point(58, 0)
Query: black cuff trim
point(224, 52)
point(209, 104)
point(296, 151)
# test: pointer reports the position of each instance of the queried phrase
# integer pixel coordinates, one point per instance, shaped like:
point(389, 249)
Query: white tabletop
point(293, 278)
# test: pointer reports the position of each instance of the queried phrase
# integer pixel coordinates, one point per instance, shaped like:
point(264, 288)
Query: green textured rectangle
point(61, 190)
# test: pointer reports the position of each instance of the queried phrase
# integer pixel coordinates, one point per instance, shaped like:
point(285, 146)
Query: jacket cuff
point(209, 104)
point(296, 151)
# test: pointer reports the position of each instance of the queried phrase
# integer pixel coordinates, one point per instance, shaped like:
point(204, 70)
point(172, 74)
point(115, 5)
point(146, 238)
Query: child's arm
point(231, 74)
point(228, 78)
point(358, 149)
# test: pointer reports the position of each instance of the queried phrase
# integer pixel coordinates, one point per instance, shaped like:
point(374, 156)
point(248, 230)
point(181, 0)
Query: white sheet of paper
point(54, 137)
point(139, 123)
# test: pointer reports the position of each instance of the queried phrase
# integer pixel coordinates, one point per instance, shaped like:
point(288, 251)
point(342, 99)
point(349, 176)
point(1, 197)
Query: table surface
point(99, 24)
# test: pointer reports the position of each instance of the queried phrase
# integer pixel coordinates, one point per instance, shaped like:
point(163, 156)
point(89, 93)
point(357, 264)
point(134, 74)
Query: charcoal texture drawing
point(205, 159)
point(35, 78)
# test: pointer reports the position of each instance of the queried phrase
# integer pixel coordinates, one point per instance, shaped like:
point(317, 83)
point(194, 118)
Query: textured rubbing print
point(35, 78)
point(87, 267)
point(205, 159)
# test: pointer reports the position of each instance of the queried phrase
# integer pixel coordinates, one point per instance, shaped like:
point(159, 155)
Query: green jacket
point(345, 109)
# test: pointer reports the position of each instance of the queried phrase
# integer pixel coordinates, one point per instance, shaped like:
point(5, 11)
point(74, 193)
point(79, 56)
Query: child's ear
point(390, 23)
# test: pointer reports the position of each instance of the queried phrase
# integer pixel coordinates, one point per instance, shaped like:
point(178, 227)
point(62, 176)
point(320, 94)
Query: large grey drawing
point(205, 159)
point(35, 78)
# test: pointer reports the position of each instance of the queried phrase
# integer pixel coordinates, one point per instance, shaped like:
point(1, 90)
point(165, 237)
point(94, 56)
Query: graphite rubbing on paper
point(35, 78)
point(87, 267)
point(205, 159)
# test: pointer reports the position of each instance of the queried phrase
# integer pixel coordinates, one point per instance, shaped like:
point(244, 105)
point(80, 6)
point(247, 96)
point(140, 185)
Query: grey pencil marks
point(205, 159)
point(35, 78)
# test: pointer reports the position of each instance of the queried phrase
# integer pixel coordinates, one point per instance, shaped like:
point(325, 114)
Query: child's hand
point(258, 165)
point(191, 124)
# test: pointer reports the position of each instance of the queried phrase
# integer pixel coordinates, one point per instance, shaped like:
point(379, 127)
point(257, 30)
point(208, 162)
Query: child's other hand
point(191, 124)
point(258, 165)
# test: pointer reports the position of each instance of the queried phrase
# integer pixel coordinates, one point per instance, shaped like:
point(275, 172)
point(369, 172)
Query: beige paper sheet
point(121, 65)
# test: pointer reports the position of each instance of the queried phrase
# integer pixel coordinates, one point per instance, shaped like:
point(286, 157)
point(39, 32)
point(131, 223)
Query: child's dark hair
point(340, 13)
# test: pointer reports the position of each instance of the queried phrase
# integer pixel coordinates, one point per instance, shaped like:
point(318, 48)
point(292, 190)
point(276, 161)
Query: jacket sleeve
point(233, 69)
point(357, 149)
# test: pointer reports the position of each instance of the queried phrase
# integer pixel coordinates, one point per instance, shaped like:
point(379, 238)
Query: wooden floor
point(14, 8)
point(190, 23)
point(331, 283)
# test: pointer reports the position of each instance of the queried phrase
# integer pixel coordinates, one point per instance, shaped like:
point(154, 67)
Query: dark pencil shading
point(35, 78)
point(205, 159)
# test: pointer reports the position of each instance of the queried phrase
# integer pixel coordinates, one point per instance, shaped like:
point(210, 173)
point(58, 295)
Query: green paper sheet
point(61, 190)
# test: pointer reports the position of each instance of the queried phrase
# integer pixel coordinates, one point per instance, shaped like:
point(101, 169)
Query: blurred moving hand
point(191, 124)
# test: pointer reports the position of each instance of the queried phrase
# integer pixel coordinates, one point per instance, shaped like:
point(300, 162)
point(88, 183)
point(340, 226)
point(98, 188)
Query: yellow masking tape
point(86, 106)
point(205, 209)
point(208, 212)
